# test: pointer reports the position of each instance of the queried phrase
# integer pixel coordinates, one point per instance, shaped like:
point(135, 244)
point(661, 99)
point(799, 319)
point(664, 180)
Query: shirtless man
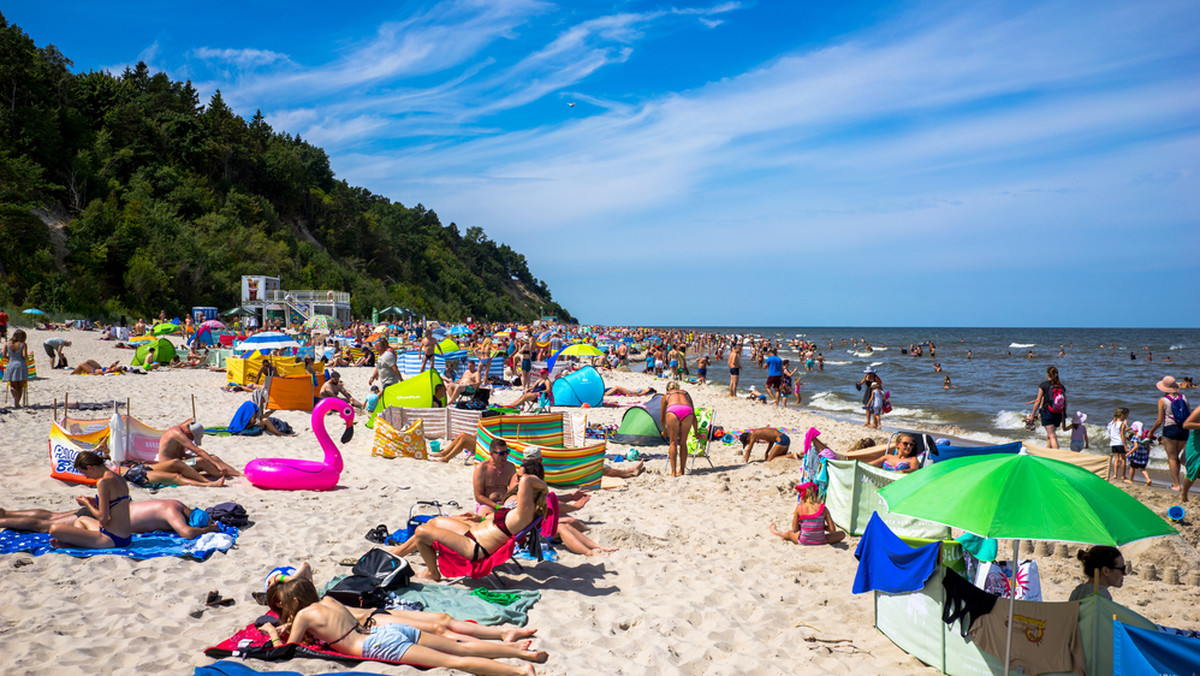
point(334, 387)
point(146, 516)
point(184, 439)
point(428, 346)
point(735, 367)
point(493, 478)
point(468, 380)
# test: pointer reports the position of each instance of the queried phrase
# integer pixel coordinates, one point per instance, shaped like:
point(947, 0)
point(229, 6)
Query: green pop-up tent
point(414, 392)
point(164, 352)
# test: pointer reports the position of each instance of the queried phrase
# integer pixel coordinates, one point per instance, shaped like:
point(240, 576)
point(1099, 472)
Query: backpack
point(1058, 399)
point(1180, 410)
point(376, 573)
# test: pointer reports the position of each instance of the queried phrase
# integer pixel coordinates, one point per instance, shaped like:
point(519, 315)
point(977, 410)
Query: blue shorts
point(784, 440)
point(389, 642)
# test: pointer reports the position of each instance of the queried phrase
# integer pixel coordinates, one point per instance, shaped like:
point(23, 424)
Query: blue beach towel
point(243, 416)
point(144, 545)
point(886, 563)
point(1141, 652)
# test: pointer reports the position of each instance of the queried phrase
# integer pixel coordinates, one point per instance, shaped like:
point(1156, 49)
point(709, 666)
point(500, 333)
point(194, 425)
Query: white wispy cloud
point(241, 58)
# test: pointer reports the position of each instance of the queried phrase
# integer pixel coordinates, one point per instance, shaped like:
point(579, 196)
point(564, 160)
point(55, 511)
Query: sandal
point(347, 562)
point(214, 599)
point(378, 534)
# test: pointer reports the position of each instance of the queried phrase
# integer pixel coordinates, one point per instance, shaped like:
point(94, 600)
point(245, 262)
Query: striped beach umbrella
point(267, 340)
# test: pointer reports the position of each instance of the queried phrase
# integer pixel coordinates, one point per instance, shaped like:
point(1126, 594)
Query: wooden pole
point(55, 405)
point(66, 404)
point(194, 408)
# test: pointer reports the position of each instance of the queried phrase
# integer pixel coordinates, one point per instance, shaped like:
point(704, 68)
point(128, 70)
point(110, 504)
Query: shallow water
point(988, 399)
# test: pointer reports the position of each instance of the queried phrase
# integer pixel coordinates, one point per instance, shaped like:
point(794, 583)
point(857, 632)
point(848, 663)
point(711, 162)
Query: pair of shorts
point(735, 371)
point(1117, 450)
point(1077, 445)
point(784, 440)
point(1051, 418)
point(773, 382)
point(703, 373)
point(1175, 433)
point(389, 642)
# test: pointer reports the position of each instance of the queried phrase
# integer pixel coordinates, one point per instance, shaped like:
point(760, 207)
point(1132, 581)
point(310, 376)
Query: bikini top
point(895, 468)
point(115, 501)
point(498, 519)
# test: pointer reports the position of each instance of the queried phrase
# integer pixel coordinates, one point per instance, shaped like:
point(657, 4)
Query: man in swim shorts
point(778, 443)
point(774, 374)
point(182, 442)
point(492, 479)
point(735, 367)
point(145, 516)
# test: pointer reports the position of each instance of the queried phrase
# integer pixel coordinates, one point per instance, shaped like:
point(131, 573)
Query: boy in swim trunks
point(778, 443)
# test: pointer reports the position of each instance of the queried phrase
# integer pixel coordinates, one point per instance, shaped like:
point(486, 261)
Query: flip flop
point(347, 562)
point(214, 599)
point(378, 534)
point(811, 434)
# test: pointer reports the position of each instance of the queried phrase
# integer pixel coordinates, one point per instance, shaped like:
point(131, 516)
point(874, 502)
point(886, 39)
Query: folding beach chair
point(696, 447)
point(453, 564)
point(923, 443)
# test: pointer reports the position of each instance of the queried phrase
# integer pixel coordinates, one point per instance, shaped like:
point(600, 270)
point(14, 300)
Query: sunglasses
point(1120, 568)
point(905, 443)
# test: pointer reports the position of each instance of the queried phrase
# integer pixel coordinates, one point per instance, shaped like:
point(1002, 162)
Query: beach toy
point(634, 455)
point(585, 405)
point(435, 446)
point(728, 438)
point(1175, 513)
point(299, 475)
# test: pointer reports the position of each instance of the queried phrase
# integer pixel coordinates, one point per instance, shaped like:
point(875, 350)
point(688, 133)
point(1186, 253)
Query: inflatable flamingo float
point(307, 475)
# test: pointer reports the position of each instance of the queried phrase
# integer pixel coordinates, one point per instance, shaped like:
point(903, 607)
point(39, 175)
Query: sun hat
point(1168, 385)
point(1137, 428)
point(869, 369)
point(197, 431)
point(1080, 417)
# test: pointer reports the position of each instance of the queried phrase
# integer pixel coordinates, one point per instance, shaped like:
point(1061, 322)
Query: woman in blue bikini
point(109, 525)
point(899, 458)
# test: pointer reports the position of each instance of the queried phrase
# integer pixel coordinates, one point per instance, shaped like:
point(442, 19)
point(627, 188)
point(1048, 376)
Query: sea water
point(991, 392)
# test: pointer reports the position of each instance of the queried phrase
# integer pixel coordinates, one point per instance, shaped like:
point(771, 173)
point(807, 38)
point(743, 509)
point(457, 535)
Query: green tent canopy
point(414, 392)
point(640, 426)
point(164, 352)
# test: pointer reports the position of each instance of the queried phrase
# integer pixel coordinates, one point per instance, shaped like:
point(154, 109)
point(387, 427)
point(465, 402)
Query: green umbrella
point(164, 328)
point(394, 311)
point(1023, 497)
point(582, 350)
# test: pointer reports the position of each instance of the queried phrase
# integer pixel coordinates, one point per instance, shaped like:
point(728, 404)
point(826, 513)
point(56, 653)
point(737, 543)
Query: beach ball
point(633, 454)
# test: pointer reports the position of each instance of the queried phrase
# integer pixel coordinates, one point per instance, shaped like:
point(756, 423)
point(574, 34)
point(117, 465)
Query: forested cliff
point(126, 194)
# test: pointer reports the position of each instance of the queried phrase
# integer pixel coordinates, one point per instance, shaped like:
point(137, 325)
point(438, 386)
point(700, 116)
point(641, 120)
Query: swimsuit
point(389, 642)
point(680, 411)
point(498, 519)
point(119, 541)
point(812, 528)
point(784, 440)
point(898, 467)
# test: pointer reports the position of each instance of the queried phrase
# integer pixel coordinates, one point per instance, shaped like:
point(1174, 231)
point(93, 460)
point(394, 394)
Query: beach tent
point(164, 352)
point(640, 426)
point(414, 392)
point(577, 388)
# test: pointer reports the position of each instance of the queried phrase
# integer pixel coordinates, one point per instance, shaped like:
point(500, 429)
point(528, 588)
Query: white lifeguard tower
point(263, 296)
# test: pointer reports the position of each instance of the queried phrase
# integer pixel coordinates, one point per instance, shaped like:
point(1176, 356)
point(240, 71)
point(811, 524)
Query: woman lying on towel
point(91, 367)
point(439, 624)
point(811, 522)
point(382, 636)
point(618, 391)
point(477, 541)
point(145, 516)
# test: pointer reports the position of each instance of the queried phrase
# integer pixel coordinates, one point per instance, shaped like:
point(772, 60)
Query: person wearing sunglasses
point(900, 457)
point(493, 478)
point(1102, 564)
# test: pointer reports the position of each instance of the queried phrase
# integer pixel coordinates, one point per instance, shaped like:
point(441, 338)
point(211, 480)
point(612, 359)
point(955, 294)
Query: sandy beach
point(698, 586)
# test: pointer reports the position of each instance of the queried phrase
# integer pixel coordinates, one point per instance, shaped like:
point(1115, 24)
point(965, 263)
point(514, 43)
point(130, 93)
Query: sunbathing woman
point(109, 525)
point(440, 624)
point(900, 457)
point(811, 522)
point(382, 637)
point(477, 541)
point(618, 391)
point(463, 442)
point(678, 415)
point(542, 384)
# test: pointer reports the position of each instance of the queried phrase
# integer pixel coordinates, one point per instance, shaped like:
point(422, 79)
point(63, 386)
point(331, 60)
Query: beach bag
point(384, 568)
point(1180, 410)
point(887, 402)
point(358, 591)
point(1058, 399)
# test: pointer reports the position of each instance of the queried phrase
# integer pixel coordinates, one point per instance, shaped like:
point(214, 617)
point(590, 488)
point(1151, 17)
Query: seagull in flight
point(571, 104)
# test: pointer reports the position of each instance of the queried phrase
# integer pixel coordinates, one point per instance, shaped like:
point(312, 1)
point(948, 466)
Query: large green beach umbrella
point(1023, 497)
point(164, 328)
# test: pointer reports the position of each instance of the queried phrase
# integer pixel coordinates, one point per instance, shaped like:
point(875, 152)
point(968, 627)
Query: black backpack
point(376, 573)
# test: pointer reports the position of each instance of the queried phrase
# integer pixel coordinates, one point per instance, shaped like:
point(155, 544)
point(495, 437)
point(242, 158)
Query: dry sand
point(698, 587)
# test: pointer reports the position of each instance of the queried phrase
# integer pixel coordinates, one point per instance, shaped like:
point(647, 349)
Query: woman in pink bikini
point(678, 415)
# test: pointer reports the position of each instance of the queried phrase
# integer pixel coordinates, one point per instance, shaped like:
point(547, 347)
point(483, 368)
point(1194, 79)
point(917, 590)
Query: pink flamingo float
point(307, 475)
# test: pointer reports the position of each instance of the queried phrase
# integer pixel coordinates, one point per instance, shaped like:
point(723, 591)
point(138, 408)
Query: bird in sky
point(571, 104)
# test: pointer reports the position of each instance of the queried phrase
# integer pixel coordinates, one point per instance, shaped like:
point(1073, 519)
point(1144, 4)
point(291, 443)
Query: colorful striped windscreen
point(581, 466)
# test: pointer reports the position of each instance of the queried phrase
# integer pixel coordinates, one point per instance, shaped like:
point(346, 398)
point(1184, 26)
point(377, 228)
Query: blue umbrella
point(33, 311)
point(460, 330)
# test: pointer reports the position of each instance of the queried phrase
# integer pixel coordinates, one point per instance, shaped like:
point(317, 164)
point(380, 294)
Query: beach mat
point(459, 602)
point(231, 668)
point(144, 545)
point(252, 643)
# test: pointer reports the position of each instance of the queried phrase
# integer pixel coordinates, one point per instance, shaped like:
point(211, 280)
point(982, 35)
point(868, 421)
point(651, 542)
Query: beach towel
point(144, 545)
point(242, 417)
point(887, 564)
point(231, 668)
point(1141, 652)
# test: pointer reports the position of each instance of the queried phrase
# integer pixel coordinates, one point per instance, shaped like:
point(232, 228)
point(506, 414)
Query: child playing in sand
point(811, 522)
point(1116, 440)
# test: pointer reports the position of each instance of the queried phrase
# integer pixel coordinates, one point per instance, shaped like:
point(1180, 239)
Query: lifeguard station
point(263, 296)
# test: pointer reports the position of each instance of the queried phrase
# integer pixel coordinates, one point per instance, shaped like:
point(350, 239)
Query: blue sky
point(742, 163)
